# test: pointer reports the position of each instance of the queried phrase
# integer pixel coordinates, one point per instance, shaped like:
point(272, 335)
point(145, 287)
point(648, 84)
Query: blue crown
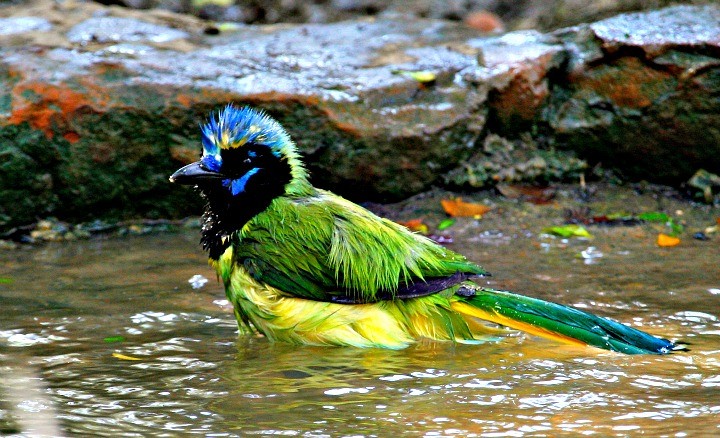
point(234, 127)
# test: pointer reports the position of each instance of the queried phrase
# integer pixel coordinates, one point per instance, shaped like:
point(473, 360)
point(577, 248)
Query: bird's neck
point(225, 214)
point(223, 217)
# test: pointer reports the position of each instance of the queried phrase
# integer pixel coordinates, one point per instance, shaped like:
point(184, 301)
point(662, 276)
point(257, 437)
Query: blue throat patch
point(238, 185)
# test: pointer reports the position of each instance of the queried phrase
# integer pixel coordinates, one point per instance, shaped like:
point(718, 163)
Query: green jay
point(305, 266)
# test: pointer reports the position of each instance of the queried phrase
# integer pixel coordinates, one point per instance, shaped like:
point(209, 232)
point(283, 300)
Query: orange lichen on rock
point(72, 137)
point(184, 100)
point(40, 102)
point(526, 92)
point(628, 83)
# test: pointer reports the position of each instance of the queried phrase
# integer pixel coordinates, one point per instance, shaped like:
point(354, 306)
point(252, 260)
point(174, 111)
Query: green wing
point(324, 247)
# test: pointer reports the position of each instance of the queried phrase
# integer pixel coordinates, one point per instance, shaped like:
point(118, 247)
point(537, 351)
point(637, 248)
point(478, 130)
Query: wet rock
point(120, 29)
point(706, 186)
point(16, 25)
point(54, 230)
point(97, 111)
point(517, 66)
point(50, 230)
point(504, 161)
point(484, 15)
point(117, 105)
point(640, 93)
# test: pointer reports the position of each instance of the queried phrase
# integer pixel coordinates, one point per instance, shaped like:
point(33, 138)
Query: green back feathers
point(325, 245)
point(370, 254)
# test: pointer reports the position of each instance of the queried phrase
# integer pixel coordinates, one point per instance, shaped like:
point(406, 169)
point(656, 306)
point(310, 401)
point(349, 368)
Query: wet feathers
point(305, 266)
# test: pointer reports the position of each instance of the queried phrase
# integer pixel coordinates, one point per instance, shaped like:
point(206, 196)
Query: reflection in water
point(125, 345)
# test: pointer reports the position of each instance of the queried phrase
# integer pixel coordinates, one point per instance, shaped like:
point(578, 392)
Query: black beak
point(192, 174)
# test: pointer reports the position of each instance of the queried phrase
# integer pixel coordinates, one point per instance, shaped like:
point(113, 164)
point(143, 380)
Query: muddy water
point(108, 337)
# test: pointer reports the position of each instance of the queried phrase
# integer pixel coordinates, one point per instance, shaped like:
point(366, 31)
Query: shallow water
point(115, 341)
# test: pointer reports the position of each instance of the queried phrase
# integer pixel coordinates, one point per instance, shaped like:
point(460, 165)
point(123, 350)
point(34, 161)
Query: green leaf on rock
point(201, 3)
point(676, 228)
point(571, 230)
point(654, 216)
point(422, 76)
point(447, 223)
point(228, 27)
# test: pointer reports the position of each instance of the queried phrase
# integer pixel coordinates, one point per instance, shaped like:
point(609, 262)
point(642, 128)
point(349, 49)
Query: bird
point(305, 266)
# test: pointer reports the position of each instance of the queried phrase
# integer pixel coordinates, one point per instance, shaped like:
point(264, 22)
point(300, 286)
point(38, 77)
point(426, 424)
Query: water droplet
point(590, 255)
point(197, 281)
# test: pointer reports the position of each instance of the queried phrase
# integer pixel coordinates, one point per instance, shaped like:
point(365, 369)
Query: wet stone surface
point(98, 109)
point(117, 29)
point(641, 90)
point(654, 31)
point(15, 25)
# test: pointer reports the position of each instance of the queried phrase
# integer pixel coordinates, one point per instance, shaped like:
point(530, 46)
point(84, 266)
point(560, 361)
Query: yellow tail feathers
point(467, 309)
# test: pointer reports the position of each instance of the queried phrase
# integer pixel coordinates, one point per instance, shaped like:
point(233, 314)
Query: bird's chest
point(247, 293)
point(254, 302)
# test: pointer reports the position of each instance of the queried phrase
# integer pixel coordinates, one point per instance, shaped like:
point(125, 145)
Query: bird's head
point(244, 152)
point(248, 160)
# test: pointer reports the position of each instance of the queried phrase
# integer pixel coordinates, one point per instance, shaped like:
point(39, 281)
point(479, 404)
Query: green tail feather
point(569, 322)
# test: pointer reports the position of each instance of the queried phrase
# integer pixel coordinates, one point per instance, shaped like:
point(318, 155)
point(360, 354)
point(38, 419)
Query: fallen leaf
point(583, 215)
point(676, 228)
point(415, 225)
point(201, 3)
point(423, 76)
point(124, 357)
point(446, 223)
point(458, 208)
point(228, 27)
point(571, 230)
point(654, 216)
point(664, 240)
